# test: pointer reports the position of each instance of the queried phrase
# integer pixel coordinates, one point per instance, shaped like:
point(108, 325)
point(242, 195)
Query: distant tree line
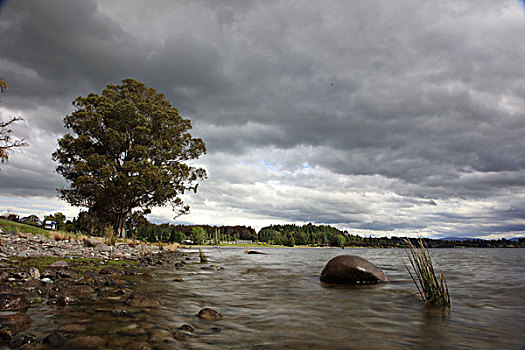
point(291, 234)
point(139, 227)
point(322, 235)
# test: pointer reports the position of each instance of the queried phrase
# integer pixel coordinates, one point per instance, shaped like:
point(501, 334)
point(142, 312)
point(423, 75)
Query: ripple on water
point(277, 301)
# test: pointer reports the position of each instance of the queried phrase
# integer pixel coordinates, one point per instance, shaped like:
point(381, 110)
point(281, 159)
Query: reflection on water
point(276, 301)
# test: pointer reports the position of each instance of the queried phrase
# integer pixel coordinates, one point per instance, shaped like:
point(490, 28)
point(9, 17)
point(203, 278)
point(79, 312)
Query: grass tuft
point(430, 281)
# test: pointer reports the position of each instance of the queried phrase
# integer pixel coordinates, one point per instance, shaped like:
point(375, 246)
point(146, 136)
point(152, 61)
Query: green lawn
point(7, 225)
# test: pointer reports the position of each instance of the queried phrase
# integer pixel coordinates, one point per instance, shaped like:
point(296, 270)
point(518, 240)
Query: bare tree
point(7, 143)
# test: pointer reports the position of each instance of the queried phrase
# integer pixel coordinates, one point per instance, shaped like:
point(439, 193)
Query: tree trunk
point(120, 226)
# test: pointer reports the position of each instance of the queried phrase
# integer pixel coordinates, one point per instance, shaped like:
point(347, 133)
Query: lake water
point(276, 301)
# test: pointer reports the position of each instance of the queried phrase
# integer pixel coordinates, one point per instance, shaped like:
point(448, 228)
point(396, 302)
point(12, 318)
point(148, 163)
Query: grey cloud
point(420, 100)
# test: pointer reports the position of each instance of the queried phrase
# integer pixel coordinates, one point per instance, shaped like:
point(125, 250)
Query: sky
point(382, 118)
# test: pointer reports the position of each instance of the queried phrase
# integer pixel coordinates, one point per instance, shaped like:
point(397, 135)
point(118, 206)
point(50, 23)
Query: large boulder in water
point(351, 269)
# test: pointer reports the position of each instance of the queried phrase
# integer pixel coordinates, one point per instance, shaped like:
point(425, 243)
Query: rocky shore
point(75, 276)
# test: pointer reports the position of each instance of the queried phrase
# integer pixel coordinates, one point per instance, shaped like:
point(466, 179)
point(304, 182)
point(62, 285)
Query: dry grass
point(67, 236)
point(59, 235)
point(173, 247)
point(109, 236)
point(22, 234)
point(429, 280)
point(145, 251)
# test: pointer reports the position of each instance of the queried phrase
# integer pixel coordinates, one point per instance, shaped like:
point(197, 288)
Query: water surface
point(276, 301)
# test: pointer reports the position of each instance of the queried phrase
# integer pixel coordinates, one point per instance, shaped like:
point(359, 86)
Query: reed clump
point(427, 276)
point(203, 257)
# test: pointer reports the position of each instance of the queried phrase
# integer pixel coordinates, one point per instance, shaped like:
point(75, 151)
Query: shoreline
point(38, 273)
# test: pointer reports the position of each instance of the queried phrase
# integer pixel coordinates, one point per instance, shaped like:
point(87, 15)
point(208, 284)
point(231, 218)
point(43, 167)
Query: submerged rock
point(10, 325)
point(255, 252)
point(351, 269)
point(210, 314)
point(21, 340)
point(139, 300)
point(186, 327)
point(73, 328)
point(65, 300)
point(181, 336)
point(13, 302)
point(86, 342)
point(54, 339)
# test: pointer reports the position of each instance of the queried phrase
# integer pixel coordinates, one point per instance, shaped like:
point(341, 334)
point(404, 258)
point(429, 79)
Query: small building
point(50, 225)
point(243, 241)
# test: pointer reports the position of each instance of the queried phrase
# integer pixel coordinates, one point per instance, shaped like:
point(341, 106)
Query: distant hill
point(460, 239)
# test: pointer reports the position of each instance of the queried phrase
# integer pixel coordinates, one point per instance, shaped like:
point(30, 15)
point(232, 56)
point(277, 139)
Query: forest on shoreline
point(289, 235)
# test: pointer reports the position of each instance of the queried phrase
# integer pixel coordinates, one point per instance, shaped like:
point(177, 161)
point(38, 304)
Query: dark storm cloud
point(420, 105)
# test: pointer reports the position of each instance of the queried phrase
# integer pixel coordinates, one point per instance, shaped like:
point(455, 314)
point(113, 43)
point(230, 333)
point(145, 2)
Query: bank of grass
point(7, 225)
point(429, 280)
point(80, 264)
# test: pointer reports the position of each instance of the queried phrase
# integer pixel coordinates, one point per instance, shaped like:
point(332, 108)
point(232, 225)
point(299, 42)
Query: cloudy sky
point(380, 117)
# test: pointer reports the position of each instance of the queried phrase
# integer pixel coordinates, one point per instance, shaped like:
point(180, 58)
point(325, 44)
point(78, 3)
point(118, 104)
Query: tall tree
point(6, 141)
point(129, 150)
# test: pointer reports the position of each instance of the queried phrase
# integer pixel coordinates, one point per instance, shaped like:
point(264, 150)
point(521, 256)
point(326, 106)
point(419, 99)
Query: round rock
point(351, 269)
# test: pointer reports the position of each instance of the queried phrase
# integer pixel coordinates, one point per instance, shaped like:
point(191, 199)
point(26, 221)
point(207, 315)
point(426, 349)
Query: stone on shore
point(60, 264)
point(351, 269)
point(111, 270)
point(92, 242)
point(34, 273)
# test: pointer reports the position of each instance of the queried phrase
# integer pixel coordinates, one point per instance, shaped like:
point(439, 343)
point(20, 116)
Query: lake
point(276, 301)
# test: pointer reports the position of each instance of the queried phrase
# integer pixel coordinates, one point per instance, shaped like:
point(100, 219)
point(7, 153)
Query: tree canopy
point(128, 150)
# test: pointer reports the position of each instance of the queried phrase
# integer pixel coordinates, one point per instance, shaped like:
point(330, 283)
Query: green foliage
point(432, 286)
point(340, 240)
point(59, 219)
point(127, 149)
point(302, 235)
point(198, 234)
point(179, 237)
point(69, 227)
